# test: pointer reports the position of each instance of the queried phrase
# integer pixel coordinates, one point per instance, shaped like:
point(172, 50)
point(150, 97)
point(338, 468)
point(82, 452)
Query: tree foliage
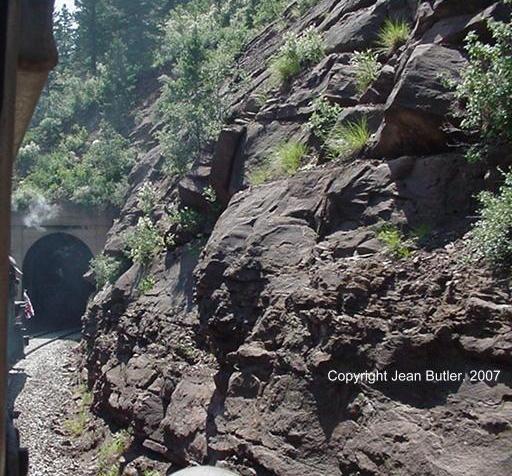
point(485, 91)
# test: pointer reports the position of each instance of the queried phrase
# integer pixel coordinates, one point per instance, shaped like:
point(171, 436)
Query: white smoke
point(39, 211)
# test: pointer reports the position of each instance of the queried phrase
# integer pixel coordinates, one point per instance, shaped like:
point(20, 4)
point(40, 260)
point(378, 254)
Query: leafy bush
point(147, 198)
point(27, 156)
point(106, 270)
point(201, 45)
point(25, 195)
point(144, 242)
point(393, 34)
point(348, 139)
point(486, 90)
point(98, 178)
point(324, 118)
point(146, 284)
point(367, 69)
point(296, 53)
point(185, 219)
point(285, 160)
point(394, 240)
point(492, 234)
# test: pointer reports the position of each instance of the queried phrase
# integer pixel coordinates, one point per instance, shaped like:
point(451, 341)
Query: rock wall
point(226, 361)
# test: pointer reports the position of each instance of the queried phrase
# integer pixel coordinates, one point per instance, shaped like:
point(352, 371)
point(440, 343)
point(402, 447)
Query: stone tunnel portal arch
point(53, 271)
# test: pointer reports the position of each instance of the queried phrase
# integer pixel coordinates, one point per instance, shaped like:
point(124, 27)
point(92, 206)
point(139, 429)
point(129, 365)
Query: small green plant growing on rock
point(210, 196)
point(288, 157)
point(393, 34)
point(284, 161)
point(146, 284)
point(147, 198)
point(394, 240)
point(348, 139)
point(421, 233)
point(110, 453)
point(491, 235)
point(262, 174)
point(144, 242)
point(323, 118)
point(485, 91)
point(296, 53)
point(106, 270)
point(77, 424)
point(185, 219)
point(367, 69)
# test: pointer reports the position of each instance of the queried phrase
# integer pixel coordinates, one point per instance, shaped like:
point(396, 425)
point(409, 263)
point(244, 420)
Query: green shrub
point(144, 242)
point(27, 157)
point(392, 35)
point(348, 139)
point(492, 234)
point(296, 53)
point(485, 91)
point(367, 69)
point(185, 219)
point(97, 178)
point(146, 284)
point(324, 118)
point(24, 195)
point(106, 270)
point(394, 241)
point(200, 43)
point(284, 161)
point(147, 198)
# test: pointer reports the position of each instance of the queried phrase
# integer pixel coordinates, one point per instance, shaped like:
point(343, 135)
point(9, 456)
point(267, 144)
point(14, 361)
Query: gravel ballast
point(42, 389)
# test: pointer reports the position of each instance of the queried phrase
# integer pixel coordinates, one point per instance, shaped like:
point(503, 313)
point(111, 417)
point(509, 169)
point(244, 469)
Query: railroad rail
point(53, 336)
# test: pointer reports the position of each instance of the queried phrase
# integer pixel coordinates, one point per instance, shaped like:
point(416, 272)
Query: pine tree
point(65, 37)
point(93, 33)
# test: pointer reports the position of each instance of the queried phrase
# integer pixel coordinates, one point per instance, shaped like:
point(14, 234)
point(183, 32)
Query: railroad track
point(45, 338)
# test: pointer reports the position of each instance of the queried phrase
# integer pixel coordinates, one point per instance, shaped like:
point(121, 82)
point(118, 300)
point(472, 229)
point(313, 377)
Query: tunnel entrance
point(53, 272)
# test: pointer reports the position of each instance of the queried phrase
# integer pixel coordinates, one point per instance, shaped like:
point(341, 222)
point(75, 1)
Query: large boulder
point(420, 103)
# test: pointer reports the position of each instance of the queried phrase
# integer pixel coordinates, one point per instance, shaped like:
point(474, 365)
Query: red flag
point(27, 308)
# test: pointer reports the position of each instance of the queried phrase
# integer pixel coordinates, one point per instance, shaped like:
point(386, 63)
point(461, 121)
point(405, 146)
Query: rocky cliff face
point(227, 359)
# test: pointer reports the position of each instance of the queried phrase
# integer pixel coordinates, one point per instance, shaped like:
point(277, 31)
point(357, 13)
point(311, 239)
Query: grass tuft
point(393, 34)
point(348, 139)
point(285, 161)
point(77, 424)
point(110, 453)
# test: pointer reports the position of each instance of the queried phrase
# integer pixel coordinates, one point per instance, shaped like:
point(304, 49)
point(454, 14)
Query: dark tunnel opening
point(53, 272)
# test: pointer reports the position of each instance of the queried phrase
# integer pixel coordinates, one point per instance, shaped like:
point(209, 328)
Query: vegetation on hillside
point(485, 91)
point(297, 52)
point(485, 94)
point(491, 234)
point(77, 148)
